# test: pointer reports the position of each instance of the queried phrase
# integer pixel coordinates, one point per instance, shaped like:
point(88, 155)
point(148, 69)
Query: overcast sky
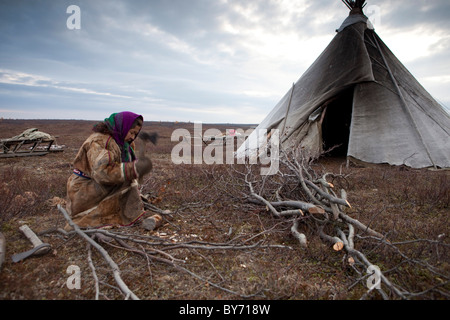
point(215, 61)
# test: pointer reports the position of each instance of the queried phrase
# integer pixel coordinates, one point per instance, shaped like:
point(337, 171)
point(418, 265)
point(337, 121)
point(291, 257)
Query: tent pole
point(351, 126)
point(404, 102)
point(287, 111)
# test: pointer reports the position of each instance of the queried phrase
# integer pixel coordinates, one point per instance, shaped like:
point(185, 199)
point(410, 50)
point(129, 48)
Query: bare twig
point(300, 236)
point(94, 273)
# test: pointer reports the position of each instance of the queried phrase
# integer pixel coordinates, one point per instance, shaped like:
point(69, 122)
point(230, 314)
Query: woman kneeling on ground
point(103, 191)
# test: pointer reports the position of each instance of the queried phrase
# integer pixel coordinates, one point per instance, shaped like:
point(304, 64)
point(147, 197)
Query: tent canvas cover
point(358, 100)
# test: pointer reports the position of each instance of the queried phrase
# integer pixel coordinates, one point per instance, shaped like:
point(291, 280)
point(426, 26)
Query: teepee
point(358, 100)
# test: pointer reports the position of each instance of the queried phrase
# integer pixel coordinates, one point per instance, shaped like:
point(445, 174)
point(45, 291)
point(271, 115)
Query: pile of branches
point(312, 202)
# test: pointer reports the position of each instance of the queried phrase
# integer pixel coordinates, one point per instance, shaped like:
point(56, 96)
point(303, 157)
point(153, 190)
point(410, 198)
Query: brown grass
point(208, 206)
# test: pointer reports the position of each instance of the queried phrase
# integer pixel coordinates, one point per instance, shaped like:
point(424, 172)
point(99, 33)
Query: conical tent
point(358, 100)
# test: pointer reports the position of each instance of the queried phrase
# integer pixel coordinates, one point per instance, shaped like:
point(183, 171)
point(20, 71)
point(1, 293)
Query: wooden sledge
point(10, 148)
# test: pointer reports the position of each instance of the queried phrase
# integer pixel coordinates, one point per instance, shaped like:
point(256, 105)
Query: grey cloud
point(167, 54)
point(405, 14)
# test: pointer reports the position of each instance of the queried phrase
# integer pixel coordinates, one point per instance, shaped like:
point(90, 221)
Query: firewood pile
point(312, 202)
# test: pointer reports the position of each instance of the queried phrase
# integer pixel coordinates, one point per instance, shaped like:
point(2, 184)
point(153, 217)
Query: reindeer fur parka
point(103, 191)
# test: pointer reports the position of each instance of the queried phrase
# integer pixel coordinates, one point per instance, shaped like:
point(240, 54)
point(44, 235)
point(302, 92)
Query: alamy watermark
point(373, 12)
point(74, 280)
point(73, 22)
point(374, 280)
point(194, 149)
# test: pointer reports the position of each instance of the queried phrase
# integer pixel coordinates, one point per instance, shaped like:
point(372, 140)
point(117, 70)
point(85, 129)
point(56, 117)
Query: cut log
point(316, 210)
point(151, 223)
point(335, 241)
point(338, 246)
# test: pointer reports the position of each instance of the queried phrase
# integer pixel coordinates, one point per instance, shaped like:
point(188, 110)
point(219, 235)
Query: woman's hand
point(143, 166)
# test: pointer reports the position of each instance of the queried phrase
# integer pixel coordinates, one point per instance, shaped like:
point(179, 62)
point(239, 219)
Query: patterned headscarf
point(119, 124)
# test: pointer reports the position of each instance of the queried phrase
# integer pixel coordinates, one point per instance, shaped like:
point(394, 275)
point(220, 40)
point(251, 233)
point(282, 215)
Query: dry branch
point(304, 206)
point(94, 273)
point(360, 225)
point(326, 195)
point(300, 236)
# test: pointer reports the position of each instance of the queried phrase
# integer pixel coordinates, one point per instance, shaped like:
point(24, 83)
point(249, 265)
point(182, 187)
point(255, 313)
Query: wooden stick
point(328, 196)
point(360, 225)
point(351, 236)
point(304, 206)
point(94, 273)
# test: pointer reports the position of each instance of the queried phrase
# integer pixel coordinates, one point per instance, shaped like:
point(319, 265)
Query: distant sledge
point(31, 142)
